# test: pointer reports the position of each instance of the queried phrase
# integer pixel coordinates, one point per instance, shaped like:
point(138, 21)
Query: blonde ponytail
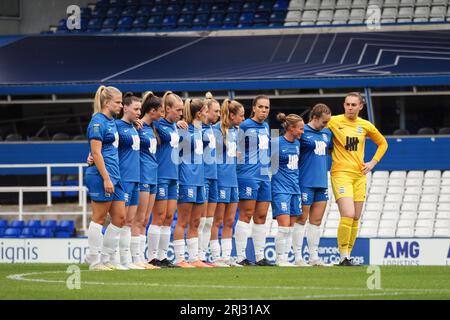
point(102, 95)
point(228, 107)
point(187, 116)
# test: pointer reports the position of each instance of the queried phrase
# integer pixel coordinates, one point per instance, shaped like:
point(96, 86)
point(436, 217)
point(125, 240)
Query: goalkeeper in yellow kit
point(348, 169)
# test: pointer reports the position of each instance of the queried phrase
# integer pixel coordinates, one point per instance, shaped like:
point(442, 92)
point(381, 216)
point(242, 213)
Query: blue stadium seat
point(216, 20)
point(62, 24)
point(84, 23)
point(280, 5)
point(2, 232)
point(27, 233)
point(12, 233)
point(143, 11)
point(218, 8)
point(116, 3)
point(16, 224)
point(49, 224)
point(72, 179)
point(3, 223)
point(247, 18)
point(139, 23)
point(94, 24)
point(57, 181)
point(173, 9)
point(244, 25)
point(66, 226)
point(200, 20)
point(102, 3)
point(124, 24)
point(114, 12)
point(109, 23)
point(154, 21)
point(128, 12)
point(265, 6)
point(277, 16)
point(185, 20)
point(231, 19)
point(43, 233)
point(261, 18)
point(33, 224)
point(157, 10)
point(99, 13)
point(132, 2)
point(234, 7)
point(62, 234)
point(189, 8)
point(169, 21)
point(85, 12)
point(203, 8)
point(249, 6)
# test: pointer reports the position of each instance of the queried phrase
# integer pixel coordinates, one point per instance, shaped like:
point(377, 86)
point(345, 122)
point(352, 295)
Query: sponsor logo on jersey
point(304, 197)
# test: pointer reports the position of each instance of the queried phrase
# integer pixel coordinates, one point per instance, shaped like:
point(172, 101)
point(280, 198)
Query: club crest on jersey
point(325, 137)
point(222, 194)
point(360, 130)
point(190, 193)
point(162, 192)
point(284, 206)
point(126, 197)
point(341, 190)
point(248, 191)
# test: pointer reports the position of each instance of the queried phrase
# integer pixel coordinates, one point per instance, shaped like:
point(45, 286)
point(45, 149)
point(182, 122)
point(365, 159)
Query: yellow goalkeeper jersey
point(349, 139)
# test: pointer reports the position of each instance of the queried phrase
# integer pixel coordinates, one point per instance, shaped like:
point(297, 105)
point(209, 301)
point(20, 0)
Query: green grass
point(49, 282)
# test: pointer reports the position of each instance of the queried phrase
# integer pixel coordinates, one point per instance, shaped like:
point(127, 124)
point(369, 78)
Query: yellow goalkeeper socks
point(355, 226)
point(343, 236)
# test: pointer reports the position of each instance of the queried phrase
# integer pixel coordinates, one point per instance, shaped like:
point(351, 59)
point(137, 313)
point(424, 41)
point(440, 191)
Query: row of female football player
point(144, 170)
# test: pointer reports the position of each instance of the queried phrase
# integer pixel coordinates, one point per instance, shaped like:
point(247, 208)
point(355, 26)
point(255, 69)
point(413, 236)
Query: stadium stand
point(37, 229)
point(138, 16)
point(402, 204)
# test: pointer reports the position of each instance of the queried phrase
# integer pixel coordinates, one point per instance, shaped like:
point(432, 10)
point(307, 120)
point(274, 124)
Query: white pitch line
point(387, 291)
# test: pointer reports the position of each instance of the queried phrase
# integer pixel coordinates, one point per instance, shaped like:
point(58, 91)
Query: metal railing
point(82, 191)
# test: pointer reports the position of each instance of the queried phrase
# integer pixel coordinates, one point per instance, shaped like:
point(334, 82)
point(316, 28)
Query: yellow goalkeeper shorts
point(349, 185)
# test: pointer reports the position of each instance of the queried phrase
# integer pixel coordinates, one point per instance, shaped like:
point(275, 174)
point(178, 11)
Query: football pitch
point(53, 281)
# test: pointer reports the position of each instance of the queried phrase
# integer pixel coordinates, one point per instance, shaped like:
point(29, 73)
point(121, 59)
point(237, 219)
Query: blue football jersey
point(254, 138)
point(149, 163)
point(285, 179)
point(191, 156)
point(209, 151)
point(104, 129)
point(313, 165)
point(227, 158)
point(129, 144)
point(167, 153)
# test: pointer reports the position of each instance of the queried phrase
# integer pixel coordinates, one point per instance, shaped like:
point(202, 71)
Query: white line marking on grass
point(381, 292)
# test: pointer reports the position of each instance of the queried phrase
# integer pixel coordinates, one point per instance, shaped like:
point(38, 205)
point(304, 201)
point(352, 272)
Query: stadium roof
point(47, 64)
